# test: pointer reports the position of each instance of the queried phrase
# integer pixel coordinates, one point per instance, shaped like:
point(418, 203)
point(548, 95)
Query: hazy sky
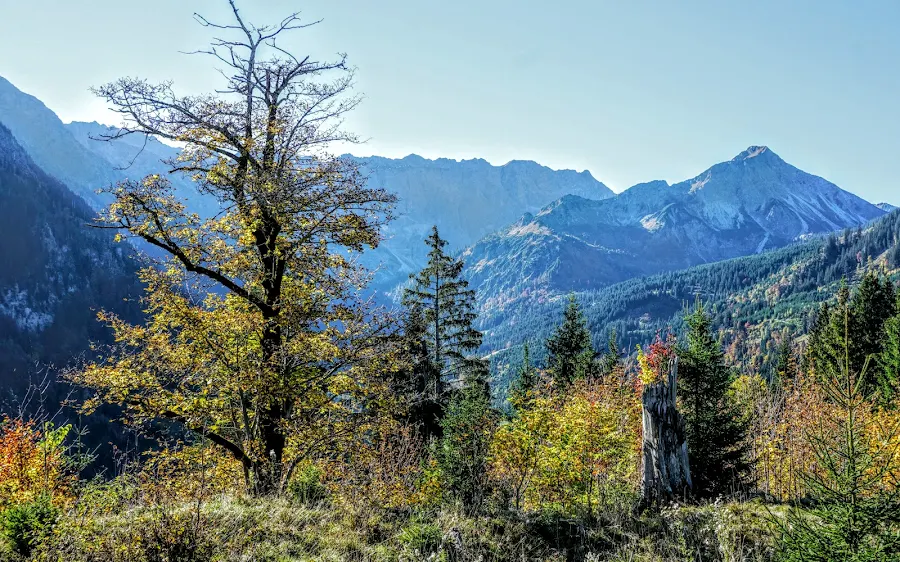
point(630, 90)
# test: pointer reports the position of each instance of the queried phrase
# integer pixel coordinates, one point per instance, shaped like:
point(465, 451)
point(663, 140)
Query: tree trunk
point(666, 473)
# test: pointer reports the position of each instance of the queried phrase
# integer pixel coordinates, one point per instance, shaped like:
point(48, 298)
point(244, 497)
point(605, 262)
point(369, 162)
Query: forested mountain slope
point(753, 299)
point(56, 272)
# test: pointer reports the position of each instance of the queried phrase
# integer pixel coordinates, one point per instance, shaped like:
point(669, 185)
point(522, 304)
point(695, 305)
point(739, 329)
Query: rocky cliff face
point(465, 199)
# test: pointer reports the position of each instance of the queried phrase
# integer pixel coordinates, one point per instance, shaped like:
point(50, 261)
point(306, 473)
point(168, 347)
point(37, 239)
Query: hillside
point(57, 271)
point(752, 298)
point(752, 203)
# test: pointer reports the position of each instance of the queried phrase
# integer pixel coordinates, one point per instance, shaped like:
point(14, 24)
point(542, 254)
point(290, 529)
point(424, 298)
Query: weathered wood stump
point(666, 473)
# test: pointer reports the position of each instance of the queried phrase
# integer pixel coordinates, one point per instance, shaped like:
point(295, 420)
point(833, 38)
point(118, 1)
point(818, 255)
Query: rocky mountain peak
point(757, 153)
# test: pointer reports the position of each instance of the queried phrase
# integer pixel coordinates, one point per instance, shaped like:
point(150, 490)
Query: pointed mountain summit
point(753, 152)
point(753, 202)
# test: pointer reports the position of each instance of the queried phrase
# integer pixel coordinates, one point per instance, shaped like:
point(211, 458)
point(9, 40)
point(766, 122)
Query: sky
point(630, 90)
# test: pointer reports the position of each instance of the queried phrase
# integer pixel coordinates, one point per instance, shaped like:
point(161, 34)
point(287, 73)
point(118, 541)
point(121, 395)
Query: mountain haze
point(44, 137)
point(134, 157)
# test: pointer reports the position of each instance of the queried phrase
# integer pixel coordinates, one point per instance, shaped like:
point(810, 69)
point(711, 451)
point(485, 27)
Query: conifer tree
point(871, 306)
point(523, 387)
point(889, 360)
point(826, 340)
point(447, 307)
point(569, 348)
point(716, 434)
point(853, 489)
point(418, 385)
point(785, 363)
point(867, 310)
point(612, 357)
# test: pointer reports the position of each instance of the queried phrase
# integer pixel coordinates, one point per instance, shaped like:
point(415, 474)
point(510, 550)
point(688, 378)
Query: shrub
point(24, 525)
point(307, 486)
point(32, 463)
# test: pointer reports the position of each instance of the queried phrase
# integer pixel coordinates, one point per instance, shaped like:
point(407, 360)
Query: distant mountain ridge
point(753, 202)
point(44, 137)
point(466, 199)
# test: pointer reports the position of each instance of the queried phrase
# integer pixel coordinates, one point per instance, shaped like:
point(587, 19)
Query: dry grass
point(279, 530)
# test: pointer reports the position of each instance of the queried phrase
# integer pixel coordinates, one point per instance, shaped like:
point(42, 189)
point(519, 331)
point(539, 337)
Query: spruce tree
point(716, 434)
point(612, 357)
point(570, 352)
point(447, 307)
point(522, 389)
point(872, 305)
point(785, 368)
point(867, 311)
point(855, 513)
point(889, 360)
point(419, 384)
point(826, 342)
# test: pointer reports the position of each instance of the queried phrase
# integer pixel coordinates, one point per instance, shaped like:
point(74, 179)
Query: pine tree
point(856, 503)
point(448, 309)
point(570, 352)
point(522, 390)
point(715, 433)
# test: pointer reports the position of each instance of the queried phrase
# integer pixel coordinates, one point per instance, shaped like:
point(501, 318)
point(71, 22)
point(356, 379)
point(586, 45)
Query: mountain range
point(753, 202)
point(754, 301)
point(528, 234)
point(466, 200)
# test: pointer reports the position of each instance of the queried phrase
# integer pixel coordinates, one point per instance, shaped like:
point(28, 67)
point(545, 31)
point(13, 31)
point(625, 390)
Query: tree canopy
point(257, 339)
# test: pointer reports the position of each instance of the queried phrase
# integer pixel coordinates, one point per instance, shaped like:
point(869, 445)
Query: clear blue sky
point(630, 90)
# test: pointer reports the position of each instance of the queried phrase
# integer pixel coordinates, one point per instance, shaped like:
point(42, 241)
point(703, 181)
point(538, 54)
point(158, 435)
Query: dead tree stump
point(666, 473)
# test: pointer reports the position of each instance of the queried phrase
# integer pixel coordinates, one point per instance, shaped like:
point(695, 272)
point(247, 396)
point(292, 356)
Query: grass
point(234, 529)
